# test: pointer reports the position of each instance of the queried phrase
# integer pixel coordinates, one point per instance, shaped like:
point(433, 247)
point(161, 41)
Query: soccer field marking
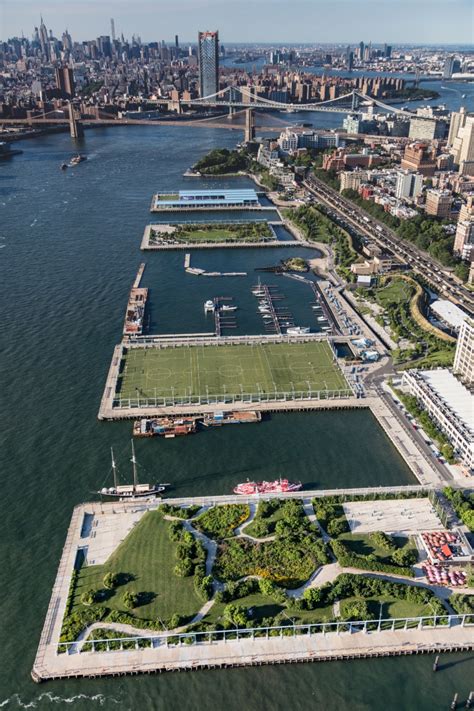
point(230, 369)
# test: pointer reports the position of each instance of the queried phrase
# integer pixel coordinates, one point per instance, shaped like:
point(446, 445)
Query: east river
point(69, 250)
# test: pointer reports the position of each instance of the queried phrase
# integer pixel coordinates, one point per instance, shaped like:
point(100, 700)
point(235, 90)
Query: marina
point(76, 399)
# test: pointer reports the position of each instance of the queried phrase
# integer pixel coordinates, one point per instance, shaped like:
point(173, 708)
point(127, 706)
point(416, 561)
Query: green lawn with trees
point(318, 227)
point(139, 581)
point(221, 161)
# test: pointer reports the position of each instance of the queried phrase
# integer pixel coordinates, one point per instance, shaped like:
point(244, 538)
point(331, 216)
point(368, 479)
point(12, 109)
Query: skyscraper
point(208, 55)
point(65, 82)
point(448, 67)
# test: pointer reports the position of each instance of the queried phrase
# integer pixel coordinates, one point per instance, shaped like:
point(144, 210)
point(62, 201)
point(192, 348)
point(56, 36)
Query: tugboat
point(75, 160)
point(130, 491)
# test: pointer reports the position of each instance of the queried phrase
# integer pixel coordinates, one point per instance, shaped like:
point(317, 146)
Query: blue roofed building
point(195, 199)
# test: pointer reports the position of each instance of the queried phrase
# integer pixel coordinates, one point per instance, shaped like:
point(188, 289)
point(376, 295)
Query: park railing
point(153, 640)
point(140, 402)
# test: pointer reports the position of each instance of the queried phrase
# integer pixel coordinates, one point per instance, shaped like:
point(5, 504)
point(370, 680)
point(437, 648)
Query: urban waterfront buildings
point(438, 203)
point(464, 357)
point(450, 405)
point(208, 58)
point(409, 185)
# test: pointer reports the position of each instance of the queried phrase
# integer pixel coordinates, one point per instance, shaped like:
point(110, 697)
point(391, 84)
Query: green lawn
point(148, 554)
point(194, 371)
point(396, 292)
point(167, 196)
point(361, 544)
point(222, 232)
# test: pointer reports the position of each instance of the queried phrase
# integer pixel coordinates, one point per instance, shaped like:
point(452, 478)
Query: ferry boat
point(209, 305)
point(168, 427)
point(297, 330)
point(75, 160)
point(130, 491)
point(220, 417)
point(279, 486)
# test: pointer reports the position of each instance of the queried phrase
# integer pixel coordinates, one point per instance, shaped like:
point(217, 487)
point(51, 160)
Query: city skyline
point(447, 22)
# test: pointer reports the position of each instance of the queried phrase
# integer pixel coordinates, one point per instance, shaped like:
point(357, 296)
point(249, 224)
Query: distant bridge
point(244, 97)
point(230, 98)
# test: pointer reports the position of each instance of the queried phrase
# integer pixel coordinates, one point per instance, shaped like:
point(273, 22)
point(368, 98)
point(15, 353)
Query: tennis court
point(257, 368)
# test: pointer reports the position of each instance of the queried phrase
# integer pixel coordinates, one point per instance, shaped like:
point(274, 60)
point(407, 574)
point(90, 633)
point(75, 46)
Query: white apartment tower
point(464, 357)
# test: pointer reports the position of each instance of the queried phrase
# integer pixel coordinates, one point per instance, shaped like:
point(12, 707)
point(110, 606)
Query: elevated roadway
point(420, 262)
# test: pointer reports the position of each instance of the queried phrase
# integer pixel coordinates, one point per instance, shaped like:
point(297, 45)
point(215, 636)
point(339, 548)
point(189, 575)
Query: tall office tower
point(112, 29)
point(361, 51)
point(208, 57)
point(176, 41)
point(464, 356)
point(448, 67)
point(387, 51)
point(103, 42)
point(458, 119)
point(349, 59)
point(67, 41)
point(65, 82)
point(43, 37)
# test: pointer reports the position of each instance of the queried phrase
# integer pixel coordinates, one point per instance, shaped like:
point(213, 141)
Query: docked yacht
point(297, 330)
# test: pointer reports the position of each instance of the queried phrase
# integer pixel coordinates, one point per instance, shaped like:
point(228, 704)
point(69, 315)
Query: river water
point(69, 250)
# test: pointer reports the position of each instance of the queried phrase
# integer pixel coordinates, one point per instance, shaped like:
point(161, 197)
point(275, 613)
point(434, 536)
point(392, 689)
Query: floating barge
point(135, 314)
point(167, 427)
point(220, 417)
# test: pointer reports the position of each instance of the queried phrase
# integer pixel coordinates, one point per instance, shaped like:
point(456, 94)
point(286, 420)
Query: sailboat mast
point(114, 468)
point(134, 465)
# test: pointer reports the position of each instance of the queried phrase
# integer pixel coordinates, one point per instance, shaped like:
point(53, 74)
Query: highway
point(435, 273)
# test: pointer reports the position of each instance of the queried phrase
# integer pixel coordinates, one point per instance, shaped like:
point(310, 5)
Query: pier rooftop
point(192, 199)
point(200, 371)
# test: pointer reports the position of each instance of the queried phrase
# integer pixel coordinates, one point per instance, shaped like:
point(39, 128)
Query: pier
point(202, 272)
point(148, 243)
point(148, 651)
point(134, 315)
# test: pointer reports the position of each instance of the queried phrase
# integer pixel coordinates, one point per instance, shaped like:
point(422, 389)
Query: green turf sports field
point(232, 369)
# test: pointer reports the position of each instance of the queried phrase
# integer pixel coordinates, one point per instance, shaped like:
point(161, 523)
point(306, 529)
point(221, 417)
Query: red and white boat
point(279, 486)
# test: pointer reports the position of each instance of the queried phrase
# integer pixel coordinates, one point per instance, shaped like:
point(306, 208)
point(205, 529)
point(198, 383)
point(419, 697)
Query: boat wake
point(16, 701)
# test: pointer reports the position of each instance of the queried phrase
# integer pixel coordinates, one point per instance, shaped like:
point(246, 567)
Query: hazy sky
point(417, 21)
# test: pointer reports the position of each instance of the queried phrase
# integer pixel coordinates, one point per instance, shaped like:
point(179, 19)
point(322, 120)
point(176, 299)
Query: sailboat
point(130, 491)
point(258, 290)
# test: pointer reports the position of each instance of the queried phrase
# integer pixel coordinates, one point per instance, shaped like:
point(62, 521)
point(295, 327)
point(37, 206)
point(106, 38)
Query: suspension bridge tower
point(249, 126)
point(76, 128)
point(355, 100)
